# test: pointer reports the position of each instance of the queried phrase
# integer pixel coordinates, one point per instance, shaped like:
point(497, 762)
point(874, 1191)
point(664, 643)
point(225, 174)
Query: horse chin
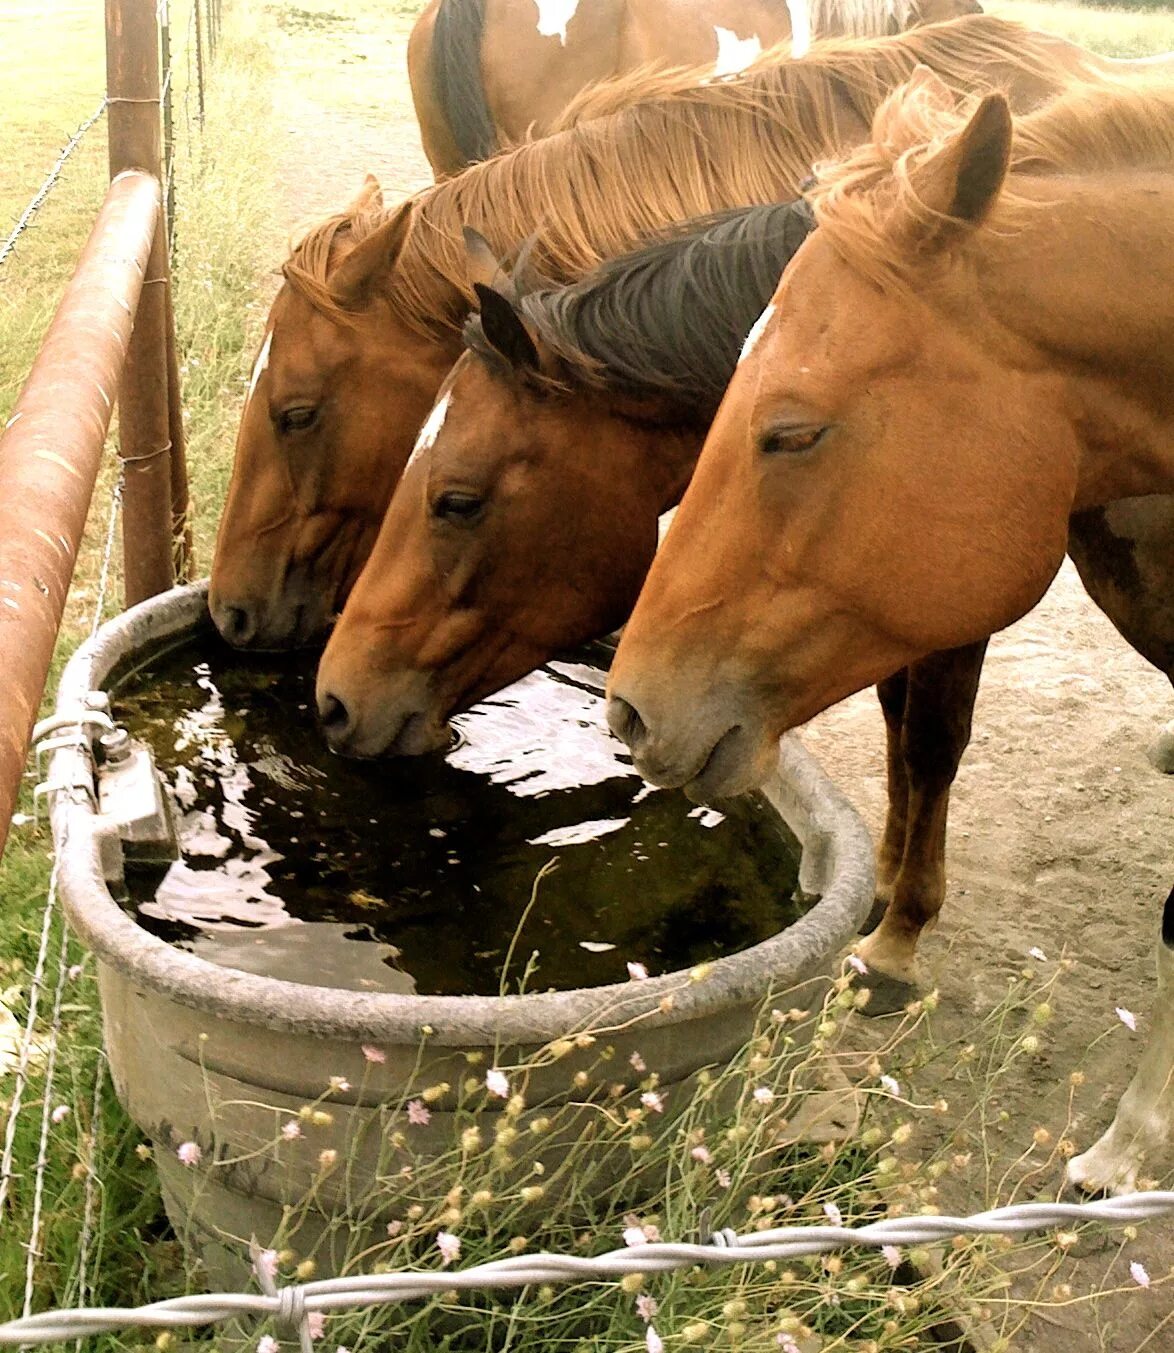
point(419, 734)
point(258, 628)
point(733, 763)
point(739, 761)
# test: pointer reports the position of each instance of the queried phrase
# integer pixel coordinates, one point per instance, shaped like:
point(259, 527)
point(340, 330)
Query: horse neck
point(667, 447)
point(1087, 281)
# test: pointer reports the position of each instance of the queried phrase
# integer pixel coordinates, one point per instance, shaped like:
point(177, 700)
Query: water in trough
point(418, 875)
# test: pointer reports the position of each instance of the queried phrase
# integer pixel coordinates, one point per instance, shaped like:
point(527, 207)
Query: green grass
point(226, 248)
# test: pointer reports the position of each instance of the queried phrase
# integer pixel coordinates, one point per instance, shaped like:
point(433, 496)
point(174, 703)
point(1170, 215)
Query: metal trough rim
point(835, 841)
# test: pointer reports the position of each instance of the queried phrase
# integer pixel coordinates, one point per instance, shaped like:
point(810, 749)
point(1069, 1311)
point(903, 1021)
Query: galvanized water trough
point(206, 1054)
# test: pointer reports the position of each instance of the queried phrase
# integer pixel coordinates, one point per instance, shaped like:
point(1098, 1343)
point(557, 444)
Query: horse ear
point(352, 281)
point(483, 266)
point(926, 82)
point(505, 331)
point(368, 198)
point(960, 184)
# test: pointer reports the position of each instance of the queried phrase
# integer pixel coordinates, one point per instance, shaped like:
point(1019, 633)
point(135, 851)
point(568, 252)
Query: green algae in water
point(414, 874)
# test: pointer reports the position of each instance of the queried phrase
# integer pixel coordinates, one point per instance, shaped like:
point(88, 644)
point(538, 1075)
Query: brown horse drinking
point(487, 73)
point(368, 322)
point(956, 361)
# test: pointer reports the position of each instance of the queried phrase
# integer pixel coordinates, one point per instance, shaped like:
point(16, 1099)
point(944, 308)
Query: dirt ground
point(1060, 835)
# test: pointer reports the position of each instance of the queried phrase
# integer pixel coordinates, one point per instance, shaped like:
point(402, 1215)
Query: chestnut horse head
point(954, 362)
point(321, 441)
point(527, 521)
point(370, 318)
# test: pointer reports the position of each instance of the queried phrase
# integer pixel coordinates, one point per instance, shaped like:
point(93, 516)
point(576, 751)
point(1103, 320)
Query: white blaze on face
point(554, 16)
point(800, 12)
point(734, 54)
point(261, 363)
point(756, 333)
point(431, 429)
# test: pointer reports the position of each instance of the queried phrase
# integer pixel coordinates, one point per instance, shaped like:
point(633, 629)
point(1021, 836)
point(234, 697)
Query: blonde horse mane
point(1105, 123)
point(861, 18)
point(597, 188)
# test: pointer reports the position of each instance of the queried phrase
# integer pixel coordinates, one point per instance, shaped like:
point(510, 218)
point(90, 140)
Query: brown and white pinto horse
point(368, 322)
point(487, 73)
point(957, 360)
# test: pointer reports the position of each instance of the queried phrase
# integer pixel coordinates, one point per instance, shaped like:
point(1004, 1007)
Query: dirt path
point(1060, 829)
point(342, 109)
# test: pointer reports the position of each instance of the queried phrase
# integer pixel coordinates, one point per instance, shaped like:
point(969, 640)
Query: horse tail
point(457, 82)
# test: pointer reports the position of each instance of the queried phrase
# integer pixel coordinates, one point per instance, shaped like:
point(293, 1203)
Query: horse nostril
point(235, 624)
point(625, 722)
point(333, 716)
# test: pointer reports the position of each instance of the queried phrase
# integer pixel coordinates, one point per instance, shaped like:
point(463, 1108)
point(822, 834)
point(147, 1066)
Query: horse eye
point(789, 441)
point(297, 419)
point(457, 507)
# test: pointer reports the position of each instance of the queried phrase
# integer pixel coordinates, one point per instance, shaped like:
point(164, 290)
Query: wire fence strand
point(24, 220)
point(294, 1304)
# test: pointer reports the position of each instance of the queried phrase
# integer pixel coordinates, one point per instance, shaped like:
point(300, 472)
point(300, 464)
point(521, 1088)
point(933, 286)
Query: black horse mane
point(669, 319)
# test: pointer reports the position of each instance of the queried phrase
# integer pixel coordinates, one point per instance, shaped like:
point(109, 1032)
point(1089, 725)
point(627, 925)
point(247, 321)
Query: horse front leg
point(893, 694)
point(1145, 1115)
point(935, 728)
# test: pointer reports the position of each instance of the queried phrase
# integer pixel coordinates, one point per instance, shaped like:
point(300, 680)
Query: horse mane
point(669, 319)
point(454, 69)
point(595, 189)
point(861, 18)
point(1103, 124)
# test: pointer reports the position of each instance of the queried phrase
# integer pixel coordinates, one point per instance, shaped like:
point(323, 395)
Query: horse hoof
point(874, 917)
point(1161, 750)
point(890, 995)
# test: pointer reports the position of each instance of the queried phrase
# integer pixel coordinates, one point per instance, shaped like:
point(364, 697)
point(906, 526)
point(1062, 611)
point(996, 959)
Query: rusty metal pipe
point(50, 452)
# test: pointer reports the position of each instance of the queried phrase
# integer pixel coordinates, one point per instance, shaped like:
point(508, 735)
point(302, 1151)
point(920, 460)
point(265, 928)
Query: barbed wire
point(290, 1307)
point(39, 197)
point(53, 177)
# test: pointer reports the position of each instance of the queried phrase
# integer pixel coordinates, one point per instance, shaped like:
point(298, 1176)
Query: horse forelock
point(1103, 124)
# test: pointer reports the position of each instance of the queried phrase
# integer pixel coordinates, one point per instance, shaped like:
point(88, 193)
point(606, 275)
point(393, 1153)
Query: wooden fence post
point(150, 430)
